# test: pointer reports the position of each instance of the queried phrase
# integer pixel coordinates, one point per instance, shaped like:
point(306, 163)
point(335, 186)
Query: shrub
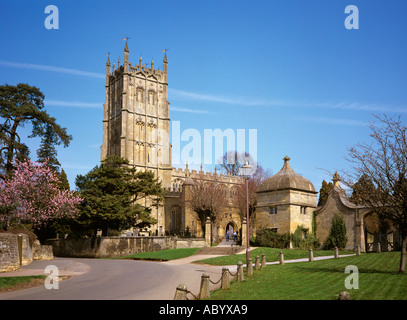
point(270, 238)
point(337, 235)
point(299, 242)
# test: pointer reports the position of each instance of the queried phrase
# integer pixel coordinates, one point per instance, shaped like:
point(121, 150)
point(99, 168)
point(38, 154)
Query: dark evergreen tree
point(323, 192)
point(20, 105)
point(363, 189)
point(111, 195)
point(47, 152)
point(64, 183)
point(337, 235)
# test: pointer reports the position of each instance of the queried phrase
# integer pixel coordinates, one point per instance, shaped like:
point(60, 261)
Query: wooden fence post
point(225, 284)
point(249, 266)
point(281, 258)
point(257, 263)
point(311, 255)
point(181, 292)
point(240, 276)
point(204, 292)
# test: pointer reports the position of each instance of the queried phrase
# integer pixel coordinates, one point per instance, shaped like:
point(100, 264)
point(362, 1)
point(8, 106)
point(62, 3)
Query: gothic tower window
point(151, 97)
point(139, 129)
point(140, 95)
point(137, 152)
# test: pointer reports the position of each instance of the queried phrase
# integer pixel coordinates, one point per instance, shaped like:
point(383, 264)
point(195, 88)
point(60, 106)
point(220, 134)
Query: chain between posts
point(182, 291)
point(194, 296)
point(216, 281)
point(203, 293)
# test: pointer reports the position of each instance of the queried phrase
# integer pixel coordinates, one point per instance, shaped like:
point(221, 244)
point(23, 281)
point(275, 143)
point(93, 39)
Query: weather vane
point(126, 38)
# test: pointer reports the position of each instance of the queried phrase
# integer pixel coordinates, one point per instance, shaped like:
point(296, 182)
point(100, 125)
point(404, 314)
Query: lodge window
point(303, 210)
point(273, 210)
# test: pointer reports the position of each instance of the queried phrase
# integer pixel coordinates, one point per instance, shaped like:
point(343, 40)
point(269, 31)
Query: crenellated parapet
point(178, 176)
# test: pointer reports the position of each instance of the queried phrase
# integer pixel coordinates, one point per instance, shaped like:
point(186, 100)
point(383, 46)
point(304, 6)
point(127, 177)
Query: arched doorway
point(230, 227)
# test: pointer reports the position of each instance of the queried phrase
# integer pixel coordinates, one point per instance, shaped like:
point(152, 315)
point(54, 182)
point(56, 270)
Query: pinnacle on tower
point(107, 70)
point(165, 61)
point(126, 58)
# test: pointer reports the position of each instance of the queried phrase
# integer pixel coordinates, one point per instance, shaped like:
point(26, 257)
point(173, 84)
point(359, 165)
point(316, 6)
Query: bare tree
point(254, 183)
point(232, 161)
point(208, 198)
point(382, 165)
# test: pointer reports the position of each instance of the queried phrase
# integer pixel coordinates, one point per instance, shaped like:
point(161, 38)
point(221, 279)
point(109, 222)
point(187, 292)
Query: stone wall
point(9, 256)
point(109, 246)
point(12, 244)
point(118, 246)
point(42, 252)
point(190, 243)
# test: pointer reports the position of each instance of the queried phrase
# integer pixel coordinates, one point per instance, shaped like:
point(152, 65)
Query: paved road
point(105, 279)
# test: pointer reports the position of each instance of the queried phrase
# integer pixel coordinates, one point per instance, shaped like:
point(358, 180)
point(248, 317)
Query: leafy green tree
point(20, 105)
point(112, 194)
point(323, 192)
point(337, 235)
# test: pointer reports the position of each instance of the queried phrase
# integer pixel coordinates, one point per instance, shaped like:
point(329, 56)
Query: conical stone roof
point(286, 178)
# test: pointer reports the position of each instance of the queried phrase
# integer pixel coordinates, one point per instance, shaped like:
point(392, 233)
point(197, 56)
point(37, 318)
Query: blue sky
point(289, 69)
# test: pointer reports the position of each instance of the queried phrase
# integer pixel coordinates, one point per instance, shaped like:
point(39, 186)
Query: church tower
point(136, 123)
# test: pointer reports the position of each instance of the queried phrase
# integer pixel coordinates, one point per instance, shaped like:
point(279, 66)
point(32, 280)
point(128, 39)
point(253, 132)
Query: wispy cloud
point(247, 101)
point(189, 110)
point(222, 99)
point(78, 104)
point(49, 68)
point(334, 121)
point(236, 101)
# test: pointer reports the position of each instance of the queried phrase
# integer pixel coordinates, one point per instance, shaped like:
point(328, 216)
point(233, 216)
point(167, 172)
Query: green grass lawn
point(272, 254)
point(18, 282)
point(164, 255)
point(323, 280)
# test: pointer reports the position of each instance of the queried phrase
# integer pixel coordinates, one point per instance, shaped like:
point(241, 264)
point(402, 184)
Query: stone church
point(136, 126)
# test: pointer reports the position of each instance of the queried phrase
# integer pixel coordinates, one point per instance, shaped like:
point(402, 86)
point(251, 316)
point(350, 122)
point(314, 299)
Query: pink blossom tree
point(32, 195)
